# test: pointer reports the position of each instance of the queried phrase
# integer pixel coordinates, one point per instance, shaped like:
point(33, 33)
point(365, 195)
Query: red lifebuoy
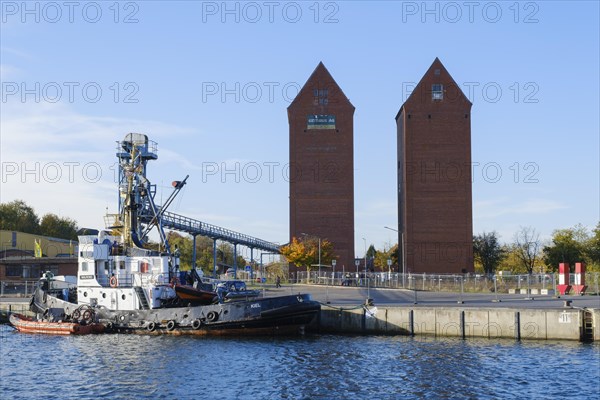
point(113, 282)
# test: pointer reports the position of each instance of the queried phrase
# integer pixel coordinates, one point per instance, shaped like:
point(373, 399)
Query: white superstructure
point(108, 277)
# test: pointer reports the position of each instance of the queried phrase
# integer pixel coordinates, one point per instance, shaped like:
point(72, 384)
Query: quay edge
point(509, 323)
point(517, 323)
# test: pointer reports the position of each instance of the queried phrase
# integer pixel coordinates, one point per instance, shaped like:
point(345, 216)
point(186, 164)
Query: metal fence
point(533, 284)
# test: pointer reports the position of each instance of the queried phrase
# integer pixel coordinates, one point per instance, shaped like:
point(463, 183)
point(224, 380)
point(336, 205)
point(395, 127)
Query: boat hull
point(261, 316)
point(30, 325)
point(189, 293)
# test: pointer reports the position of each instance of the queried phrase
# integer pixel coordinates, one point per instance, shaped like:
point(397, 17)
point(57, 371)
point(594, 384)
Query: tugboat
point(127, 287)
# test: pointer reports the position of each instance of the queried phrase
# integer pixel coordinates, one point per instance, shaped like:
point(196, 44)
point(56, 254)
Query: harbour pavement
point(345, 310)
point(348, 296)
point(343, 296)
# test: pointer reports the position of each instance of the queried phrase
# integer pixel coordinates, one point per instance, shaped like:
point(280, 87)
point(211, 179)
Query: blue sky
point(211, 81)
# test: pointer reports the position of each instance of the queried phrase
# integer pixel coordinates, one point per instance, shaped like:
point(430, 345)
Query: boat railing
point(134, 279)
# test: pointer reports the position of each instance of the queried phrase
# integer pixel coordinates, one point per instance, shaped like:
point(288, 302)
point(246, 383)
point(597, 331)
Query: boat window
point(121, 264)
point(84, 266)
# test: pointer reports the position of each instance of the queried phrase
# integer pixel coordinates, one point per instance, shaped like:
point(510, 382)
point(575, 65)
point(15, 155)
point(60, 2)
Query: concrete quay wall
point(515, 323)
point(520, 324)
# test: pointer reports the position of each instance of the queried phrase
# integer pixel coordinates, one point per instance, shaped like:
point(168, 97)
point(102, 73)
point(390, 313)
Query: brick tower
point(322, 165)
point(435, 221)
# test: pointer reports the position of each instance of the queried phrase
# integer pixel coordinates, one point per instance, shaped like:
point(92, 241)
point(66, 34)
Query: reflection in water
point(312, 367)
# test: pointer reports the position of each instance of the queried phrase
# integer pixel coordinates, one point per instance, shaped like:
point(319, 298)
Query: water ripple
point(313, 367)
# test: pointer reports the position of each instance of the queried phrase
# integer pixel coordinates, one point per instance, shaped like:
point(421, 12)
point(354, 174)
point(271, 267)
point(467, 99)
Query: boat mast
point(138, 213)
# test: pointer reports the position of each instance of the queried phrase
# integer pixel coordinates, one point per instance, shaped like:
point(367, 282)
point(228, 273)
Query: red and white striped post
point(564, 272)
point(579, 284)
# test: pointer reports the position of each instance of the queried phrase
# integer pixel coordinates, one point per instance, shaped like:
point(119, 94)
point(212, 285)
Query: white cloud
point(61, 161)
point(8, 72)
point(502, 207)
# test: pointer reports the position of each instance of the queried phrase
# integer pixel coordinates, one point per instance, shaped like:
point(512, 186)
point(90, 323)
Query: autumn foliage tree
point(305, 252)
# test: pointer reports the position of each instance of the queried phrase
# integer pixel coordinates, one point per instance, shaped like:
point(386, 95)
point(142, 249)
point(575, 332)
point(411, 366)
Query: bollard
point(563, 286)
point(497, 300)
point(579, 284)
point(414, 279)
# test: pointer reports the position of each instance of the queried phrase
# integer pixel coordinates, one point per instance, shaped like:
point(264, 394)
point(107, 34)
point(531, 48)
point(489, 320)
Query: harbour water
point(309, 367)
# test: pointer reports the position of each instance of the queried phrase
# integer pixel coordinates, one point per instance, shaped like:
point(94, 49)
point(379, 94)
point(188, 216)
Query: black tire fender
point(212, 316)
point(171, 325)
point(88, 315)
point(196, 324)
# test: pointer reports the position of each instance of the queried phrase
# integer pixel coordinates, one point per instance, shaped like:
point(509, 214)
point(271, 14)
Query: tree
point(204, 252)
point(55, 226)
point(512, 262)
point(574, 245)
point(305, 252)
point(565, 248)
point(18, 216)
point(184, 245)
point(382, 257)
point(371, 254)
point(592, 249)
point(488, 251)
point(527, 247)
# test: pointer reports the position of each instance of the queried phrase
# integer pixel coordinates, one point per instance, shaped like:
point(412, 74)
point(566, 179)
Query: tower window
point(320, 96)
point(437, 71)
point(437, 91)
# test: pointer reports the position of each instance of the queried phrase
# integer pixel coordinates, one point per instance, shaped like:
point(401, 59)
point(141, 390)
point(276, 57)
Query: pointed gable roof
point(436, 73)
point(320, 78)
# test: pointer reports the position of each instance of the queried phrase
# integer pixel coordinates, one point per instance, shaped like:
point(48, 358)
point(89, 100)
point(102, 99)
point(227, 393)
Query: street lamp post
point(333, 262)
point(400, 255)
point(319, 259)
point(367, 274)
point(365, 241)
